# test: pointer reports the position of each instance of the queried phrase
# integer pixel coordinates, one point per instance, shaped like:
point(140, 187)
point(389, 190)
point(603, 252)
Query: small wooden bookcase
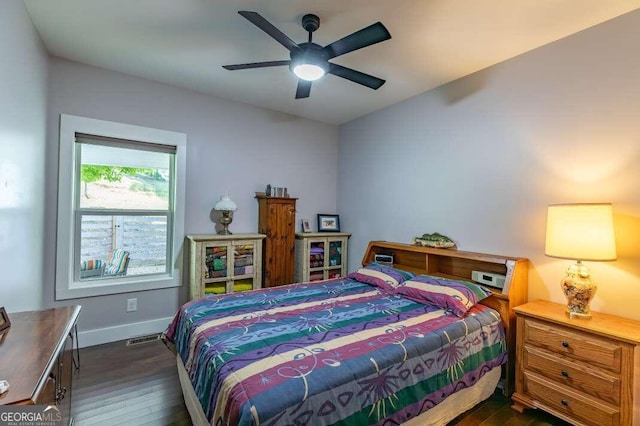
point(321, 255)
point(220, 264)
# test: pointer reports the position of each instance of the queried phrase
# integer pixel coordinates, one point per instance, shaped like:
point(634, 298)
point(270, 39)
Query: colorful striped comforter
point(333, 352)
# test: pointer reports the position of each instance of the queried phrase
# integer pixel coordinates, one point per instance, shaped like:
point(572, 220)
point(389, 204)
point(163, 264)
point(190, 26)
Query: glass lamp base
point(579, 291)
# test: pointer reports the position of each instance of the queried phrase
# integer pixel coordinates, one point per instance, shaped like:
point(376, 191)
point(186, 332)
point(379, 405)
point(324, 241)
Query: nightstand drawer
point(575, 376)
point(569, 403)
point(583, 347)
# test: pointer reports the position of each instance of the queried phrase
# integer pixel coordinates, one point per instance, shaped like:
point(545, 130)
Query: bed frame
point(451, 263)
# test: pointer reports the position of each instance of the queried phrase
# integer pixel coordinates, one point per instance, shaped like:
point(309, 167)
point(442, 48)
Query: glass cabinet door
point(215, 270)
point(243, 261)
point(316, 260)
point(335, 253)
point(334, 264)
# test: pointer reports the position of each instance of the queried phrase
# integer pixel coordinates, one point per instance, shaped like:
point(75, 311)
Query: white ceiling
point(186, 42)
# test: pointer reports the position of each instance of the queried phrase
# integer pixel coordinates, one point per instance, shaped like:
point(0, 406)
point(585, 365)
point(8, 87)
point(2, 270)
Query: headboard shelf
point(457, 264)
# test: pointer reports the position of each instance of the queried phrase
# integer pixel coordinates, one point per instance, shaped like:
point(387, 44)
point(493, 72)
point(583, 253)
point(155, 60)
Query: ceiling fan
point(310, 61)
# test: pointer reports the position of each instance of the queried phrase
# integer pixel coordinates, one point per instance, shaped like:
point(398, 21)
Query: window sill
point(102, 287)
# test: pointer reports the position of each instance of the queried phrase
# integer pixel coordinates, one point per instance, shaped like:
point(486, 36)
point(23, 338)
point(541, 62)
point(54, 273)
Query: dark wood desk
point(36, 358)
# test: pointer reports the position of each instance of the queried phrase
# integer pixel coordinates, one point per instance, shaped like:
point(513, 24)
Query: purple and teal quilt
point(337, 352)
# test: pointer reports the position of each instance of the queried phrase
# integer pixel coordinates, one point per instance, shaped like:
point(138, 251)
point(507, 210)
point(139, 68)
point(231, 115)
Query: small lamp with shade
point(580, 232)
point(226, 206)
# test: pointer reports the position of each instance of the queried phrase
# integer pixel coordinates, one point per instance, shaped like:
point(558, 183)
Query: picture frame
point(328, 222)
point(4, 320)
point(306, 226)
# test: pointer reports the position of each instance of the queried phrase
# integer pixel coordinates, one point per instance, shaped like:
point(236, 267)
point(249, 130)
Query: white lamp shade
point(308, 72)
point(225, 203)
point(580, 232)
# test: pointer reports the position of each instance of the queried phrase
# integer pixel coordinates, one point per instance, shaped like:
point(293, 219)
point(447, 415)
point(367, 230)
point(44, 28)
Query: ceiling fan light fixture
point(309, 61)
point(309, 72)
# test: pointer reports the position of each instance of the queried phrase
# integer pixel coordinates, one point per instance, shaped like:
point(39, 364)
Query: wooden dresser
point(36, 358)
point(586, 372)
point(277, 220)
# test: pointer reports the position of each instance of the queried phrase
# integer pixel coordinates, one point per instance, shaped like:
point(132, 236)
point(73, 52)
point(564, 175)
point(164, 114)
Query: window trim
point(70, 287)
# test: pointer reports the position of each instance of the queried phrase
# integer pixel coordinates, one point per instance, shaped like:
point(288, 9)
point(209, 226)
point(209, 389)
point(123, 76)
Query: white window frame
point(69, 286)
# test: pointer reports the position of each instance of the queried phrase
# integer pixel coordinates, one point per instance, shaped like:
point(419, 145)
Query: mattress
point(333, 352)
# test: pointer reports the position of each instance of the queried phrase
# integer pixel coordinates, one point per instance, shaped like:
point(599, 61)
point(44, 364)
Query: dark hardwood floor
point(138, 385)
point(127, 385)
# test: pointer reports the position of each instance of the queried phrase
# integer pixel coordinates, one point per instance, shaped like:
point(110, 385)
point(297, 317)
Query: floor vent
point(143, 339)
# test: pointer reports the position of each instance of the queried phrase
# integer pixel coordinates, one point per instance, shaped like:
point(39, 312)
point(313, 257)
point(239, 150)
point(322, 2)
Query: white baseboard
point(122, 332)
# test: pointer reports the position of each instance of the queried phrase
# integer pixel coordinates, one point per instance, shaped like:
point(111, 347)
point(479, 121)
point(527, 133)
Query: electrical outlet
point(132, 305)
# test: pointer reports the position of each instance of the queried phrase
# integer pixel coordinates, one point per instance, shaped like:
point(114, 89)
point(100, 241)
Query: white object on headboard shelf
point(488, 278)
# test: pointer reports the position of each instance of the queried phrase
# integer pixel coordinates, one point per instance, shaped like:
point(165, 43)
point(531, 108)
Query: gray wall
point(23, 103)
point(231, 147)
point(481, 158)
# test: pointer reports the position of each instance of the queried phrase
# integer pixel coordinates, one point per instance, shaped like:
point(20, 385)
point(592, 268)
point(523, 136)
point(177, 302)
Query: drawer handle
point(565, 402)
point(60, 393)
point(565, 373)
point(565, 344)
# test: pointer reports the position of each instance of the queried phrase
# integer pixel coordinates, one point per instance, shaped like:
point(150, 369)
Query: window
point(120, 207)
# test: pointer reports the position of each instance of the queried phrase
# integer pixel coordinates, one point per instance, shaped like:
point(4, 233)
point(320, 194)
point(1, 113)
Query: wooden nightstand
point(586, 372)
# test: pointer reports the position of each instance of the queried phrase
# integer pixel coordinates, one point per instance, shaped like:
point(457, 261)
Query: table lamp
point(226, 206)
point(580, 232)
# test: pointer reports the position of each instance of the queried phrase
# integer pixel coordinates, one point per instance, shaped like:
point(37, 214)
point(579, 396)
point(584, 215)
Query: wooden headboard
point(451, 263)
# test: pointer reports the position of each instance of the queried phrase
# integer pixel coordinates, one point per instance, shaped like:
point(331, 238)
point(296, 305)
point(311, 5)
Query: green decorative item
point(434, 240)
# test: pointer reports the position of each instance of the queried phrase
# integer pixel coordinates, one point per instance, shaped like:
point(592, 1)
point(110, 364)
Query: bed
point(369, 348)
